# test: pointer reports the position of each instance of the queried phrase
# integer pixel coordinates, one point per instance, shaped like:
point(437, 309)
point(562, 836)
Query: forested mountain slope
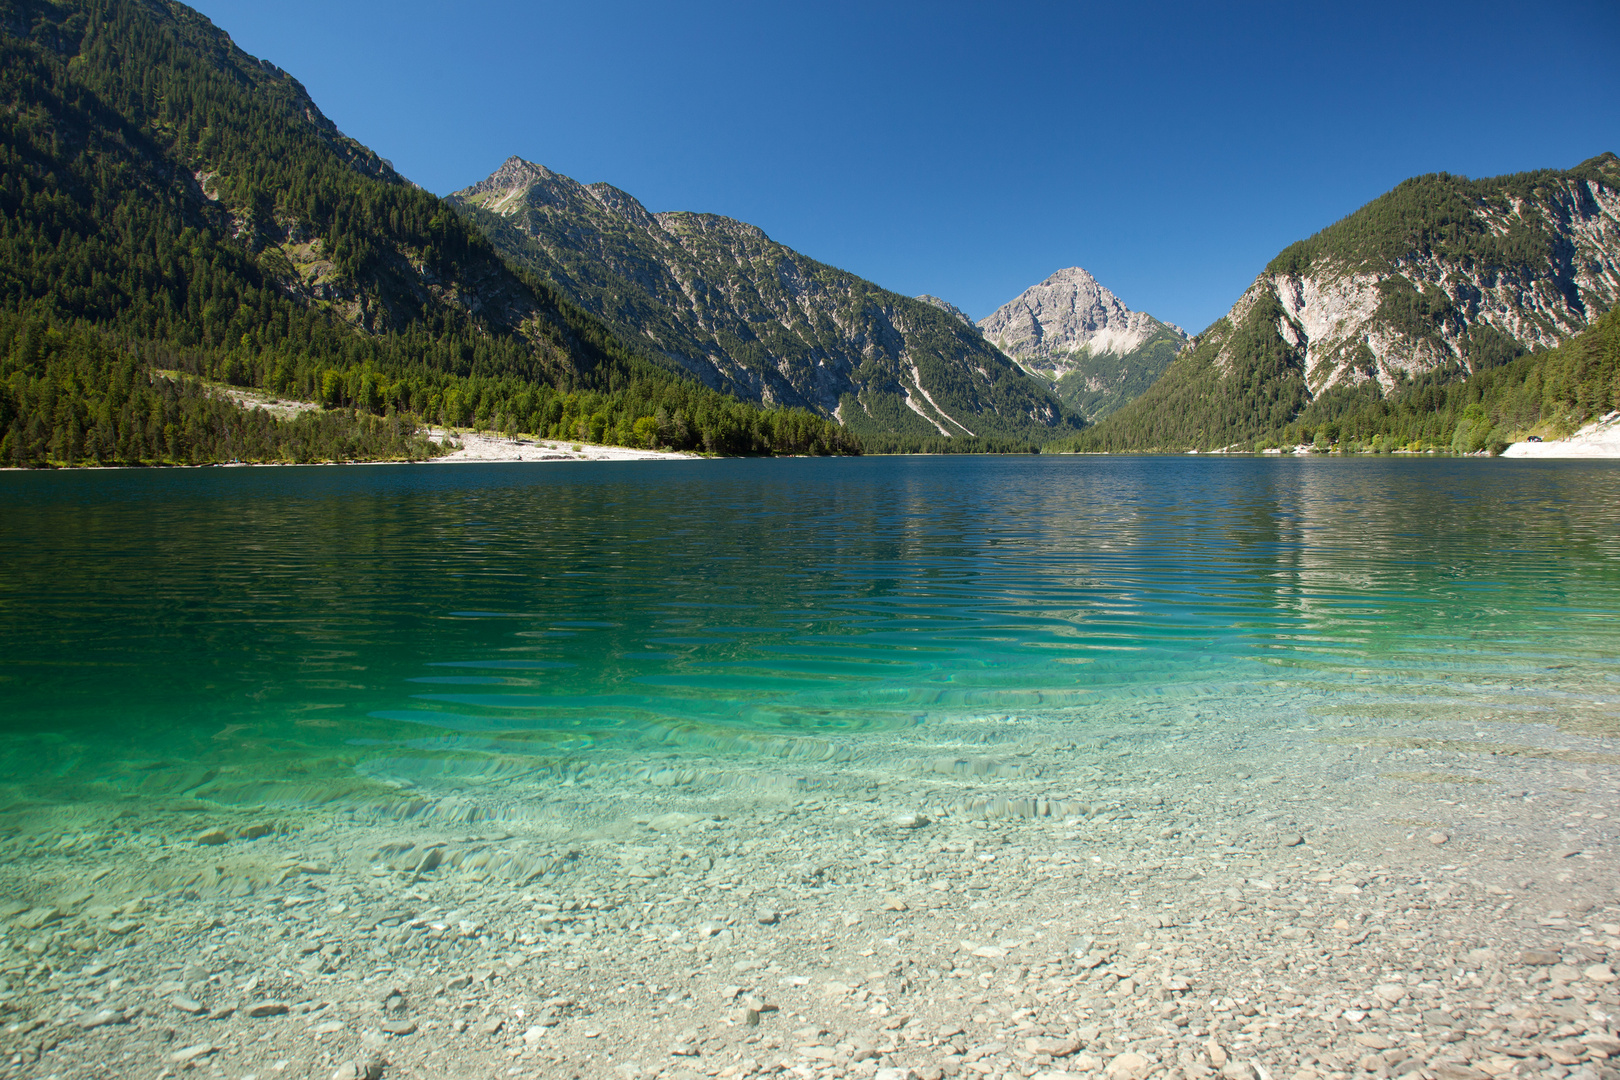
point(1071, 332)
point(756, 318)
point(1439, 280)
point(1549, 393)
point(169, 202)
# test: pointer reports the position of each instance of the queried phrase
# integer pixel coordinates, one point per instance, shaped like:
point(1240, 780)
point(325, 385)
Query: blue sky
point(968, 150)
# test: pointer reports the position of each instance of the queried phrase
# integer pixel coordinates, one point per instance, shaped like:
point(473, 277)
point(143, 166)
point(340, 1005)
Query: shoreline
point(484, 449)
point(1181, 904)
point(1595, 441)
point(476, 449)
point(1598, 439)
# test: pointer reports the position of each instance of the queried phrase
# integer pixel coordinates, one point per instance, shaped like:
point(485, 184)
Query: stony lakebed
point(1300, 897)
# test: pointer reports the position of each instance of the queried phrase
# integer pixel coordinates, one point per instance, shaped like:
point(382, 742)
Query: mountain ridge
point(169, 202)
point(751, 316)
point(1439, 279)
point(947, 307)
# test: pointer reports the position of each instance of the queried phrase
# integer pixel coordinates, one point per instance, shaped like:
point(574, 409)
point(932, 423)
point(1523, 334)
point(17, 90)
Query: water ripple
point(211, 614)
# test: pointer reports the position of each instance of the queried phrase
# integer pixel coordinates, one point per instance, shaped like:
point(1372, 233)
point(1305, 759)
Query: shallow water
point(304, 635)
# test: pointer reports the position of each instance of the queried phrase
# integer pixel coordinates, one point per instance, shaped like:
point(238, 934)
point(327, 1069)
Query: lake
point(334, 636)
point(1137, 767)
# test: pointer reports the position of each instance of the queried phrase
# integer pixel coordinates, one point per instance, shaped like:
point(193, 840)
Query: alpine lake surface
point(716, 684)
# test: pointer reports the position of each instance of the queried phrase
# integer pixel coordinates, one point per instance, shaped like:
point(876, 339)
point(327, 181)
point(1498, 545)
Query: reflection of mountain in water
point(309, 636)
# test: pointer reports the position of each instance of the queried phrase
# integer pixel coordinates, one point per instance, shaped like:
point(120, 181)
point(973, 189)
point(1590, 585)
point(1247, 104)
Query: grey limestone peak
point(514, 172)
point(1068, 312)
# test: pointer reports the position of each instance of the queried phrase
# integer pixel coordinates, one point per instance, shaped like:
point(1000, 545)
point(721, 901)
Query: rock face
point(1068, 313)
point(1443, 277)
point(1080, 338)
point(1544, 260)
point(752, 317)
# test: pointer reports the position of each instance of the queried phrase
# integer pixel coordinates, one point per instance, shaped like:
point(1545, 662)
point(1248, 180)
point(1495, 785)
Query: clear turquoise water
point(302, 621)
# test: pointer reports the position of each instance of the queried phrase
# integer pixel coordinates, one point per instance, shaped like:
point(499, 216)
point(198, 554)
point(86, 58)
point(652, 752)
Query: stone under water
point(915, 767)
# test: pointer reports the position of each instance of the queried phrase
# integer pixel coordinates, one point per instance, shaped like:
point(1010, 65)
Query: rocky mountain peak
point(1069, 312)
point(1081, 339)
point(514, 174)
point(721, 300)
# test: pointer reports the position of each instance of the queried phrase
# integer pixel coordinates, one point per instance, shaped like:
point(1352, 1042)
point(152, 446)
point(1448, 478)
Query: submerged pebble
point(1185, 928)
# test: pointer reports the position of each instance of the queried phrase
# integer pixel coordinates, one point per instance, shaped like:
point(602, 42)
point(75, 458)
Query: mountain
point(1435, 282)
point(755, 318)
point(948, 308)
point(1546, 394)
point(1072, 333)
point(175, 212)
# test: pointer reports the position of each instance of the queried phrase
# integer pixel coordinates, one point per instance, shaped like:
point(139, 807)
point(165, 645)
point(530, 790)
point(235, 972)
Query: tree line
point(1448, 410)
point(80, 397)
point(1551, 392)
point(75, 399)
point(156, 185)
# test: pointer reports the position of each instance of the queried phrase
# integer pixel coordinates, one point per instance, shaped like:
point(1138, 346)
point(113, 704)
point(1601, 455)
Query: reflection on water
point(312, 622)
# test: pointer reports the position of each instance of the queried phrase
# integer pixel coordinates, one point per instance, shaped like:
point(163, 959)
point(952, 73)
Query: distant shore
point(481, 448)
point(473, 448)
point(1599, 439)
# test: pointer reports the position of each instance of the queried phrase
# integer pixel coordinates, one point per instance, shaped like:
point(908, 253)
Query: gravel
point(1142, 901)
